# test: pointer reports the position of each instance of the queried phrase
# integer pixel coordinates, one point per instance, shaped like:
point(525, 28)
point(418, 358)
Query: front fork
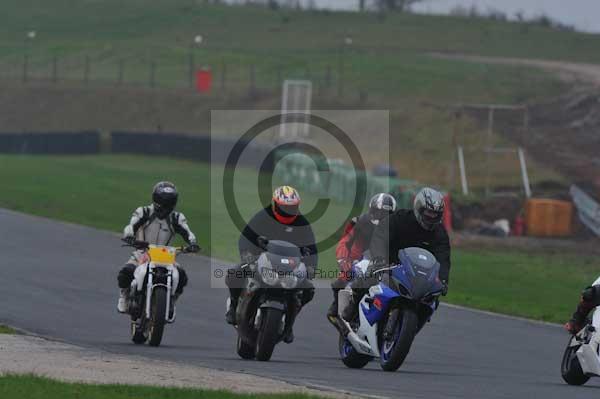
point(150, 289)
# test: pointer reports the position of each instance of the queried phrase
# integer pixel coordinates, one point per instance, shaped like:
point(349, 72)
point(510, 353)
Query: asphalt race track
point(59, 281)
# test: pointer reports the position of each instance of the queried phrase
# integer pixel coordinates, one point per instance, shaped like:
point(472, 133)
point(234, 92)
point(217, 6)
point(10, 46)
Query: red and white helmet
point(286, 204)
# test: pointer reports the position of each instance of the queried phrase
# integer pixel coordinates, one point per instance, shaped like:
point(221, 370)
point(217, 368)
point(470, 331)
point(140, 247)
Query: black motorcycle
point(270, 298)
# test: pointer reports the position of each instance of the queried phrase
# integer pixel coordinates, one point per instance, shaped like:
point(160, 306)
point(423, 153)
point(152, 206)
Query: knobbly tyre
point(581, 359)
point(272, 283)
point(392, 312)
point(151, 304)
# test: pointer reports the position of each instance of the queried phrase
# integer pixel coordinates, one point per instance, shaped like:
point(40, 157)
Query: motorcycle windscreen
point(417, 273)
point(284, 256)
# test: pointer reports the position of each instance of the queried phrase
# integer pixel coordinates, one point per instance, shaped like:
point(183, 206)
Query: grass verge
point(6, 330)
point(32, 387)
point(101, 191)
point(387, 59)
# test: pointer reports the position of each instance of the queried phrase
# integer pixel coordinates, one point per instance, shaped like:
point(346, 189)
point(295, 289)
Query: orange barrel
point(548, 218)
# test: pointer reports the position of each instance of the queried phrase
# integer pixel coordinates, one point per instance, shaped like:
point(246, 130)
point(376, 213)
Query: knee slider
point(307, 295)
point(125, 276)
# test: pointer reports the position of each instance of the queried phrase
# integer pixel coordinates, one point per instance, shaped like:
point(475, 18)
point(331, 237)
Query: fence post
point(54, 68)
point(307, 72)
point(120, 72)
point(341, 71)
point(363, 96)
point(192, 66)
point(279, 75)
point(86, 70)
point(252, 89)
point(25, 67)
point(152, 74)
point(223, 74)
point(328, 77)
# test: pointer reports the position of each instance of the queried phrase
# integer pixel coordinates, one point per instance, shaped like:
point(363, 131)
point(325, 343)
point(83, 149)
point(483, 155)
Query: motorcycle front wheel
point(394, 349)
point(244, 350)
point(350, 356)
point(570, 368)
point(158, 312)
point(268, 335)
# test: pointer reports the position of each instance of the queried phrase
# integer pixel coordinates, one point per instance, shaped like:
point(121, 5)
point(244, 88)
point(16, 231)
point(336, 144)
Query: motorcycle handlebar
point(142, 245)
point(135, 243)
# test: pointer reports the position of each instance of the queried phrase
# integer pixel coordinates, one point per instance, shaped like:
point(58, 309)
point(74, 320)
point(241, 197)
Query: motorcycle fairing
point(417, 274)
point(587, 354)
point(380, 297)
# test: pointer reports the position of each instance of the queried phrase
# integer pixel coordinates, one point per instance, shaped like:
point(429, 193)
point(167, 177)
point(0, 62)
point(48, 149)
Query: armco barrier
point(87, 142)
point(196, 148)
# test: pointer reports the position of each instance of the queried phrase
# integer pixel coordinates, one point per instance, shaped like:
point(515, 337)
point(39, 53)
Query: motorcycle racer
point(355, 241)
point(418, 227)
point(155, 224)
point(281, 220)
point(590, 298)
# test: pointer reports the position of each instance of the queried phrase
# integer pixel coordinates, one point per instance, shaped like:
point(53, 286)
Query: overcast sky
point(583, 14)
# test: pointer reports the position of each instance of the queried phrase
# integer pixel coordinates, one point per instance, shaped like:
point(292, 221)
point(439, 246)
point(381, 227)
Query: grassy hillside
point(385, 67)
point(386, 55)
point(101, 191)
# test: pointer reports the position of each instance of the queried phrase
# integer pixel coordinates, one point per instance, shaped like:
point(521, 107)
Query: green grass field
point(387, 58)
point(101, 191)
point(6, 330)
point(31, 387)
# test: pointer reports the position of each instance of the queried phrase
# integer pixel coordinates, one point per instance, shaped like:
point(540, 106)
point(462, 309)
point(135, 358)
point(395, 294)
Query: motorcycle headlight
point(300, 272)
point(267, 274)
point(289, 281)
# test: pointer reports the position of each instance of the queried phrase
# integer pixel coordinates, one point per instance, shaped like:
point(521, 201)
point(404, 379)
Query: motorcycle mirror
point(262, 242)
point(305, 252)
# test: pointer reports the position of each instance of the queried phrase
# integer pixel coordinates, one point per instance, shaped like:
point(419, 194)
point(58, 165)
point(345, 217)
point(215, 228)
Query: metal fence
point(227, 75)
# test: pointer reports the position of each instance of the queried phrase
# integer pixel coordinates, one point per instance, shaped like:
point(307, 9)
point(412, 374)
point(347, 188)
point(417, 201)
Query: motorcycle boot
point(579, 318)
point(123, 303)
point(231, 309)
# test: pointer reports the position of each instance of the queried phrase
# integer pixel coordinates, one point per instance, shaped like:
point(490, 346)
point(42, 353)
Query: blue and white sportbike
point(393, 311)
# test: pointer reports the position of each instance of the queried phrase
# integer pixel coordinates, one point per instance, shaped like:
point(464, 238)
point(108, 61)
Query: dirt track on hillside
point(571, 72)
point(564, 132)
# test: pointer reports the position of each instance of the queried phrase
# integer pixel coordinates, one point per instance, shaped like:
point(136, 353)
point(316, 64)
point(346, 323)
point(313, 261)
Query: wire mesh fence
point(225, 75)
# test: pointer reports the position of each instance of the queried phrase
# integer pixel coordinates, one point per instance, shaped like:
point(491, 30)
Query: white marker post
point(463, 173)
point(524, 173)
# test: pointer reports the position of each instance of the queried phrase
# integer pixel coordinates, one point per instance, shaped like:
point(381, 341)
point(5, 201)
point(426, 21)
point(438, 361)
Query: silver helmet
point(429, 208)
point(380, 206)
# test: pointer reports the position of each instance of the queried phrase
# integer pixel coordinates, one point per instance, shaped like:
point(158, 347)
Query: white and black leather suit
point(145, 225)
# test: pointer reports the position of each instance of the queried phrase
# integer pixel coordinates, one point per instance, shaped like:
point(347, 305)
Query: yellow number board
point(162, 255)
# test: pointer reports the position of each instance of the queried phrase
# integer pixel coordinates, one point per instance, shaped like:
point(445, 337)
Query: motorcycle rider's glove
point(305, 252)
point(248, 258)
point(376, 264)
point(310, 272)
point(129, 240)
point(193, 247)
point(346, 270)
point(444, 288)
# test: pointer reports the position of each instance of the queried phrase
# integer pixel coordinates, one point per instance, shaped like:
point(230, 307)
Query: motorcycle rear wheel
point(158, 312)
point(393, 352)
point(571, 368)
point(350, 356)
point(268, 335)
